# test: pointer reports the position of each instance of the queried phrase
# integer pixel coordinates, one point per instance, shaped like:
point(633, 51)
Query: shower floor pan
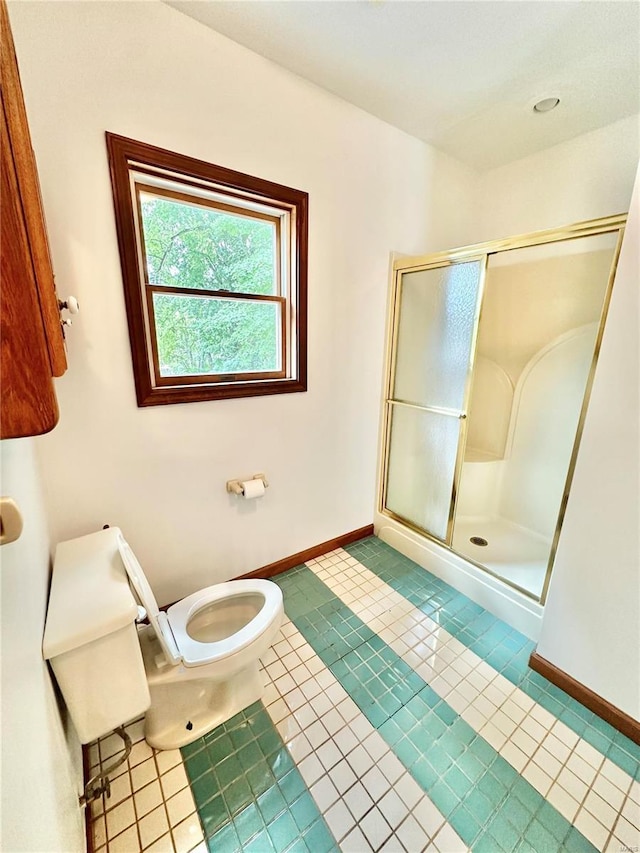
point(514, 553)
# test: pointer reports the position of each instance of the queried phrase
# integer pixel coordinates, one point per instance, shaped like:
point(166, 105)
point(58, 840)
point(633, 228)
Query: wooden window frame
point(135, 167)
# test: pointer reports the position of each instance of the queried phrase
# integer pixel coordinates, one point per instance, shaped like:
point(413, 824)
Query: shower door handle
point(436, 410)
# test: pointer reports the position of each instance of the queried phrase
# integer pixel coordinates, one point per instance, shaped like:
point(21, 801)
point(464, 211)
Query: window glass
point(201, 336)
point(192, 245)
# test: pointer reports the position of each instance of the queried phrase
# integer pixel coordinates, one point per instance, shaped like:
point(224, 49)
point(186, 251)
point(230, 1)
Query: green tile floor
point(248, 793)
point(485, 800)
point(352, 749)
point(500, 645)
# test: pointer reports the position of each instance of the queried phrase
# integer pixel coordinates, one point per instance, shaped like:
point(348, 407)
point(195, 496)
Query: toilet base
point(183, 711)
point(188, 702)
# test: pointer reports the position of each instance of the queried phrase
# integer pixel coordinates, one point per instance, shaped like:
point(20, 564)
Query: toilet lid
point(144, 593)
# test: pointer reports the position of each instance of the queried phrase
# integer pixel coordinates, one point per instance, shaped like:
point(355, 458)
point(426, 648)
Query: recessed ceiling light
point(546, 105)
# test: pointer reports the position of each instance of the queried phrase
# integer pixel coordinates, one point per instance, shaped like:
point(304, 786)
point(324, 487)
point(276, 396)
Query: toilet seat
point(195, 652)
point(171, 627)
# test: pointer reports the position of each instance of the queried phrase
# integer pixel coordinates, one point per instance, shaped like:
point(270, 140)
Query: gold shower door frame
point(389, 402)
point(480, 253)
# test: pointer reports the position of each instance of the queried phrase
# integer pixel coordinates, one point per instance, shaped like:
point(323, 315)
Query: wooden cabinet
point(31, 338)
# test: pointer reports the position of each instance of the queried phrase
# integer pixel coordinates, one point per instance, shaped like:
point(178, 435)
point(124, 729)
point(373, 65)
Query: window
point(214, 270)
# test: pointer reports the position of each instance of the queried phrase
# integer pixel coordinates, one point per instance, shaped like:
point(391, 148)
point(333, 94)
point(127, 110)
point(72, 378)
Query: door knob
point(70, 304)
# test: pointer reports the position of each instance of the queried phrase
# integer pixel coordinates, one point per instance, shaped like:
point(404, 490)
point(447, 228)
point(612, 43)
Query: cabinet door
point(29, 404)
point(32, 344)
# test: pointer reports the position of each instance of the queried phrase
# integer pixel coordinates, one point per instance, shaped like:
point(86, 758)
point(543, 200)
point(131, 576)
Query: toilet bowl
point(201, 656)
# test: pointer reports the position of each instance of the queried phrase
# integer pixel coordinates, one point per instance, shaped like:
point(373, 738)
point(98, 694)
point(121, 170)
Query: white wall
point(585, 178)
point(591, 625)
point(146, 71)
point(41, 764)
point(591, 622)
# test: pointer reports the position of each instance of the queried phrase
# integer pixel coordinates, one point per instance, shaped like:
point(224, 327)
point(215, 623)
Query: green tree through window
point(188, 245)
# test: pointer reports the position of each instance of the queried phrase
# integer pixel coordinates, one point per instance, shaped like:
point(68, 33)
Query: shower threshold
point(512, 552)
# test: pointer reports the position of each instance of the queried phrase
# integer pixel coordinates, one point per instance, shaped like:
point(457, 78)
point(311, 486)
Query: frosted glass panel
point(422, 458)
point(437, 311)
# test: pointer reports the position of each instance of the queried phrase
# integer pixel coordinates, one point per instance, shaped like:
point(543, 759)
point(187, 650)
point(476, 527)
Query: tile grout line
point(373, 588)
point(327, 623)
point(614, 770)
point(421, 617)
point(164, 836)
point(372, 732)
point(379, 558)
point(247, 793)
point(164, 804)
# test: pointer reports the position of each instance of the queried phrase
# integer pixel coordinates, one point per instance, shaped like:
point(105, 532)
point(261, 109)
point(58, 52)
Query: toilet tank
point(91, 639)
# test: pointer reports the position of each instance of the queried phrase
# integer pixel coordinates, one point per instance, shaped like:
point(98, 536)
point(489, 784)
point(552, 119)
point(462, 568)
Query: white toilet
point(200, 657)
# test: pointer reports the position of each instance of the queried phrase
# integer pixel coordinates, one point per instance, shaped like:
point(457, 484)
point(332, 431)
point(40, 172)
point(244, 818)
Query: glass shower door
point(436, 318)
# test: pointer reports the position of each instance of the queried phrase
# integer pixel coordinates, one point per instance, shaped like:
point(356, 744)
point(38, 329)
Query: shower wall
point(535, 344)
point(545, 416)
point(530, 301)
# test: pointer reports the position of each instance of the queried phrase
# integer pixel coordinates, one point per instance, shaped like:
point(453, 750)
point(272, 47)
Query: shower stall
point(491, 355)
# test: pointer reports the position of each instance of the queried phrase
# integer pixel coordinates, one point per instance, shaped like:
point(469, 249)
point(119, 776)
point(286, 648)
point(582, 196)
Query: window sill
point(166, 395)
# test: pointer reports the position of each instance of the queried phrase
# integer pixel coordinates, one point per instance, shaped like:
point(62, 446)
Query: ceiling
point(462, 75)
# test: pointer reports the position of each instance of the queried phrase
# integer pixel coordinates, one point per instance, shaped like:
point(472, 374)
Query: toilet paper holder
point(236, 487)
